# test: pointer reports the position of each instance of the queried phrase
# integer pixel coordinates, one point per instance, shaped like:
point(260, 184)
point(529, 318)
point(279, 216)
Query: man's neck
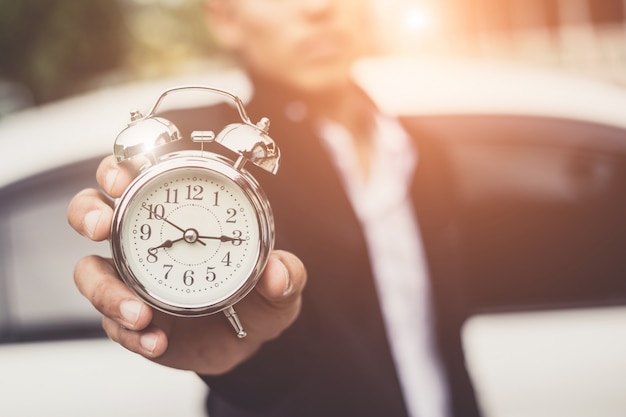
point(345, 104)
point(352, 109)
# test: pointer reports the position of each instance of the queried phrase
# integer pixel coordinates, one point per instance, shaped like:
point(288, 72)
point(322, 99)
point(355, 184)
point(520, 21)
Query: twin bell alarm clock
point(193, 232)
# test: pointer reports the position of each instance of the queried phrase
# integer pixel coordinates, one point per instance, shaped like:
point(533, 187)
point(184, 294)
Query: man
point(360, 201)
point(323, 350)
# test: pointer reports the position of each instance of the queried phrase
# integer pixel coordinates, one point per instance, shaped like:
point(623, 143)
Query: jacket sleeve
point(265, 382)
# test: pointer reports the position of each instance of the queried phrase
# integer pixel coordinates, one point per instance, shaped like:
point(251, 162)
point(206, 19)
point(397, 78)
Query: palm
point(206, 345)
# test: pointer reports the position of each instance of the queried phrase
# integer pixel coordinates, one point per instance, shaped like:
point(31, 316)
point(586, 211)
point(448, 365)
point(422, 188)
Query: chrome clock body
point(193, 232)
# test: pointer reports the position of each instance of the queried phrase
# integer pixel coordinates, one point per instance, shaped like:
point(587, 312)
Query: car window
point(38, 251)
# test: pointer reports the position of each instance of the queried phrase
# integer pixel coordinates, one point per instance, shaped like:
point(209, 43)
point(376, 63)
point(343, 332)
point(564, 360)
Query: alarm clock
point(192, 233)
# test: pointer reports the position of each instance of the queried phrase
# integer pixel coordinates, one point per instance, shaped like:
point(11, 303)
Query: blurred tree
point(168, 36)
point(54, 46)
point(60, 47)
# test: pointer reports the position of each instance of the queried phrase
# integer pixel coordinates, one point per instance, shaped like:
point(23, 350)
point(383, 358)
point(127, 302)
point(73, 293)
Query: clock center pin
point(191, 235)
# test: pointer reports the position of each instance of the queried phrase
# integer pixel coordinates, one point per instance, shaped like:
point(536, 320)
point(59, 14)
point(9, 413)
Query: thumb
point(283, 280)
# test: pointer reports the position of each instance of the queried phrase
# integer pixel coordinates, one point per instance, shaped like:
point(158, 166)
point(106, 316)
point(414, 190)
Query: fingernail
point(91, 221)
point(109, 180)
point(130, 310)
point(288, 285)
point(148, 342)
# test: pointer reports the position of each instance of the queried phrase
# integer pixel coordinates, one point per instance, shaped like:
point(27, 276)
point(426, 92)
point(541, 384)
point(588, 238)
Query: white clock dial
point(190, 236)
point(193, 232)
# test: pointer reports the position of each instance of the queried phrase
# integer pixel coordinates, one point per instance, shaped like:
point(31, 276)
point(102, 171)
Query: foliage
point(51, 45)
point(60, 47)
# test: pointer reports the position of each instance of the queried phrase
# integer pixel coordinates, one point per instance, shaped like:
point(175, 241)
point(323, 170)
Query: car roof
point(84, 127)
point(449, 86)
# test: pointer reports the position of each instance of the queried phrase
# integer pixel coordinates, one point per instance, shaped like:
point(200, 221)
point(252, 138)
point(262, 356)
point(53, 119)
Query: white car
point(566, 362)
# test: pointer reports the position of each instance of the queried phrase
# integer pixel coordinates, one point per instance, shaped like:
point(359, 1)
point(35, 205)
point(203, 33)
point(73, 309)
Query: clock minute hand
point(222, 238)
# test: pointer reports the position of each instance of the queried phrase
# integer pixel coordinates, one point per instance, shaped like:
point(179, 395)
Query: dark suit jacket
point(335, 360)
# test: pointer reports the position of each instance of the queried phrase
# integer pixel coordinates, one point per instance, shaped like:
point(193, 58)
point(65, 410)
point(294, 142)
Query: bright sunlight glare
point(418, 20)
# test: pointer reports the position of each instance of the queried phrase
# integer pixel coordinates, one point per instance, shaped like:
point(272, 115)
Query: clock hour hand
point(167, 244)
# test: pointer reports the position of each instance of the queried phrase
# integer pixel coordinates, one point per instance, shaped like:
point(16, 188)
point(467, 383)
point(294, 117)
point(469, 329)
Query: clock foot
point(231, 314)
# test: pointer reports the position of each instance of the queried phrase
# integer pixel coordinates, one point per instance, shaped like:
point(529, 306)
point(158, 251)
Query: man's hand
point(206, 345)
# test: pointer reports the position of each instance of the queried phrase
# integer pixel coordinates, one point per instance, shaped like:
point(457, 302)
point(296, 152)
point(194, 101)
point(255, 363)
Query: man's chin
point(322, 78)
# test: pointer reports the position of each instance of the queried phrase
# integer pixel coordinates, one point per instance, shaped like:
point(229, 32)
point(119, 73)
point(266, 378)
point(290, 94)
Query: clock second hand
point(159, 217)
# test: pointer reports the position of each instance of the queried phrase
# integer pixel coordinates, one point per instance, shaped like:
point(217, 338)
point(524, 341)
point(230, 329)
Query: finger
point(151, 342)
point(97, 280)
point(283, 280)
point(114, 178)
point(276, 301)
point(90, 214)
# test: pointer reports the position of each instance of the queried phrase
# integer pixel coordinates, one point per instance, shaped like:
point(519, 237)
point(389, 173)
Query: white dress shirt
point(383, 205)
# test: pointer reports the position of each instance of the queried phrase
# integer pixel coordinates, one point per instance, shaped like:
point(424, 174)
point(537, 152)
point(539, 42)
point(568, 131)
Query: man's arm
point(206, 345)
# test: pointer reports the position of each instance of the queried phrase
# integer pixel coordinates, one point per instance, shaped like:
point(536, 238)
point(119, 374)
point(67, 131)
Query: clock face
point(190, 237)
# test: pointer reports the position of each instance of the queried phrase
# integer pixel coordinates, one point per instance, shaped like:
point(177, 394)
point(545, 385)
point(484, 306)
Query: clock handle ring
point(238, 103)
